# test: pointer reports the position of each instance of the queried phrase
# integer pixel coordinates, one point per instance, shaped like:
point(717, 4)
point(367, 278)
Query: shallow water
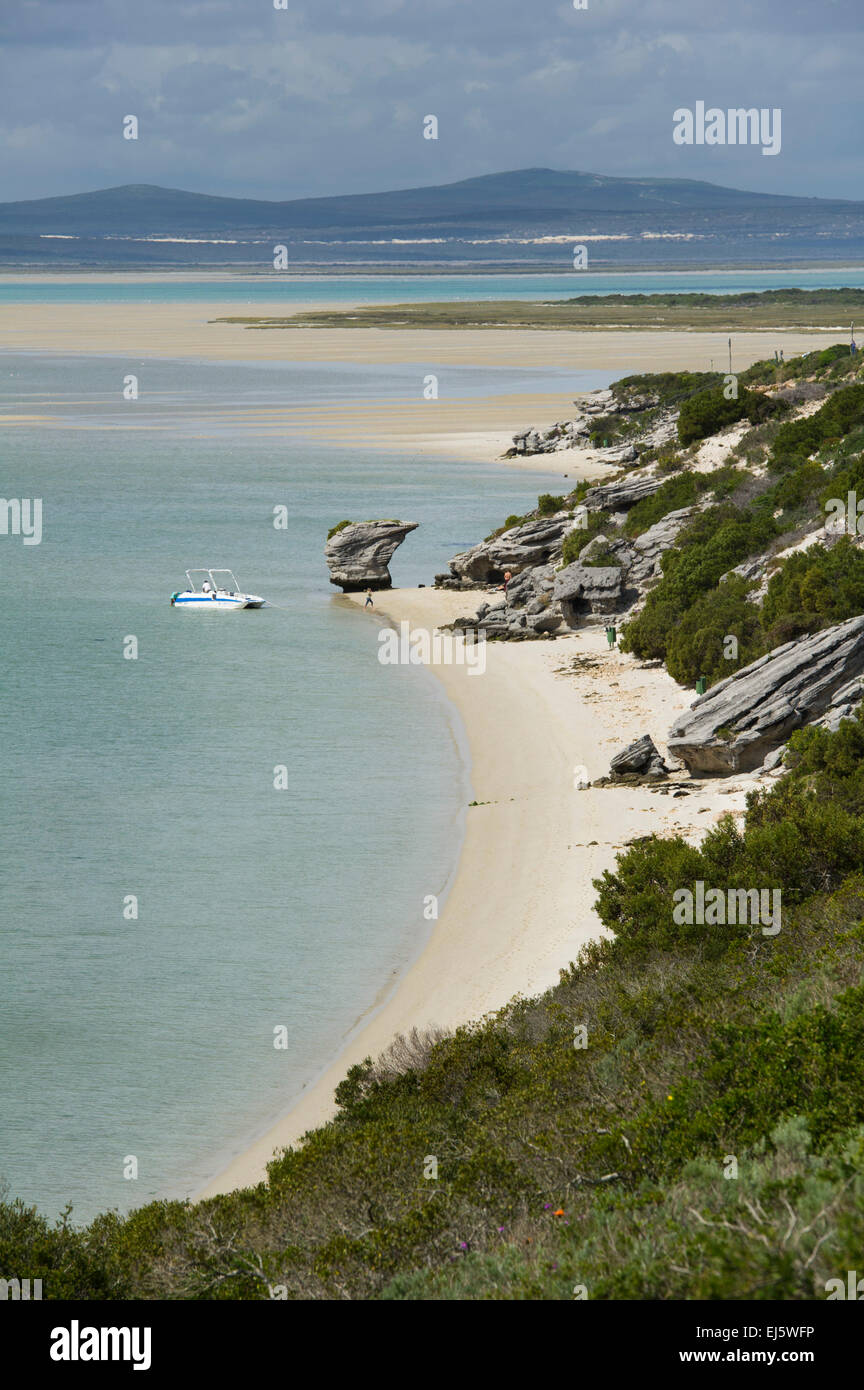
point(405, 289)
point(154, 777)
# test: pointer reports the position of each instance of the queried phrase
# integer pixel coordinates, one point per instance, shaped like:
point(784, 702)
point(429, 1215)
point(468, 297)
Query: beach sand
point(478, 429)
point(520, 907)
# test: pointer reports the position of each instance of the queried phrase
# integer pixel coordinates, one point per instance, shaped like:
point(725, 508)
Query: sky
point(239, 98)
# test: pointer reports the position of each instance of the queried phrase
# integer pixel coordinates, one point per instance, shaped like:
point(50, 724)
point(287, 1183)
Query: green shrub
point(796, 440)
point(577, 539)
point(710, 411)
point(547, 505)
point(679, 491)
point(713, 543)
point(601, 557)
point(697, 644)
point(822, 586)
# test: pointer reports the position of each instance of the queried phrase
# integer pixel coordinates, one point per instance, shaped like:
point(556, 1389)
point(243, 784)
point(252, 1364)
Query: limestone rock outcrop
point(532, 543)
point(525, 612)
point(732, 728)
point(587, 589)
point(621, 496)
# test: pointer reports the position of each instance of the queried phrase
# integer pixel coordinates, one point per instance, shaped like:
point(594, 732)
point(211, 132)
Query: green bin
point(701, 685)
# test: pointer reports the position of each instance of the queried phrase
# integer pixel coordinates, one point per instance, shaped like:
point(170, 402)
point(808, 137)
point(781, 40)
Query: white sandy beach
point(521, 904)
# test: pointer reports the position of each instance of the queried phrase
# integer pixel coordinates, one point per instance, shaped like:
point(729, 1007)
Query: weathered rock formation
point(639, 757)
point(358, 556)
point(649, 547)
point(637, 765)
point(575, 433)
point(569, 434)
point(605, 402)
point(741, 720)
point(526, 612)
point(566, 434)
point(621, 496)
point(515, 550)
point(584, 590)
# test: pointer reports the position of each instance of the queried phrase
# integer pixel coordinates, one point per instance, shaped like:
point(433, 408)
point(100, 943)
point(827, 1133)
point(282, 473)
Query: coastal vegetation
point(711, 411)
point(699, 599)
point(785, 308)
point(682, 1115)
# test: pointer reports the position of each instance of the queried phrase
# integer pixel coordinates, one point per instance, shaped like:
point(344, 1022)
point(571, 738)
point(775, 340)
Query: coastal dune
point(521, 905)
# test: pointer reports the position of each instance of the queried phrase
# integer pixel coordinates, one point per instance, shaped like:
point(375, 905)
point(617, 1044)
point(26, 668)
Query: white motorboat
point(212, 592)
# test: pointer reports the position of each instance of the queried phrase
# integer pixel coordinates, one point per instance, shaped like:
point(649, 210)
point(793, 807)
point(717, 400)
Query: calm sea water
point(154, 777)
point(403, 289)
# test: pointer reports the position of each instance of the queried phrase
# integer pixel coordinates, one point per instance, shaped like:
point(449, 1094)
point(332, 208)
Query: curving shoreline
point(521, 904)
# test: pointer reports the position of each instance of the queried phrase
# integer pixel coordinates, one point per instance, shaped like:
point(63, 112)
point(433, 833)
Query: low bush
point(796, 440)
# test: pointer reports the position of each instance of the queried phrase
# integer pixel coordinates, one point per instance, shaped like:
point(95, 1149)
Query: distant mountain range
point(513, 216)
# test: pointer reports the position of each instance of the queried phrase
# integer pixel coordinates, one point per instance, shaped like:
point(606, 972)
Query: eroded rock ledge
point(741, 720)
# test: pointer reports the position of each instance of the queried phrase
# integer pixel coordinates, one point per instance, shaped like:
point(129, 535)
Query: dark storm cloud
point(329, 96)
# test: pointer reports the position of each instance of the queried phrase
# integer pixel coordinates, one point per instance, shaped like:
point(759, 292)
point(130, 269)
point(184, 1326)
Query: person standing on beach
point(369, 602)
point(507, 577)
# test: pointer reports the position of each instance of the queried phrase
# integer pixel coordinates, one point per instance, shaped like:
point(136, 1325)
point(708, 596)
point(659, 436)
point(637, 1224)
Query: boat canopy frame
point(216, 585)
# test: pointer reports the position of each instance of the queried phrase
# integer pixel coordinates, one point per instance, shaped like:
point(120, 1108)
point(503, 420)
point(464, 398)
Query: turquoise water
point(403, 289)
point(154, 777)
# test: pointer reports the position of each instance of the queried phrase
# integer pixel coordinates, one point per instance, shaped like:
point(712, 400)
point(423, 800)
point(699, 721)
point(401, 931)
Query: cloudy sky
point(329, 96)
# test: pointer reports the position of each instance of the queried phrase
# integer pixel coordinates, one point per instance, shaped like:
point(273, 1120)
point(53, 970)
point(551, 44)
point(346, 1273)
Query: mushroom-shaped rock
point(358, 553)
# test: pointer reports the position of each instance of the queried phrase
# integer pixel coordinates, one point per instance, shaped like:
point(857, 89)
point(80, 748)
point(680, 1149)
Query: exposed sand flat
point(478, 428)
point(187, 330)
point(521, 904)
point(467, 429)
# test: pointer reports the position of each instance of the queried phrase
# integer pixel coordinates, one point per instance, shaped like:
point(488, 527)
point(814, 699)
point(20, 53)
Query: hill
point(534, 197)
point(507, 218)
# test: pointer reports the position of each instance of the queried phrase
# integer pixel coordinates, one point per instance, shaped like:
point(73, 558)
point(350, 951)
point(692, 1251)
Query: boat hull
point(195, 603)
